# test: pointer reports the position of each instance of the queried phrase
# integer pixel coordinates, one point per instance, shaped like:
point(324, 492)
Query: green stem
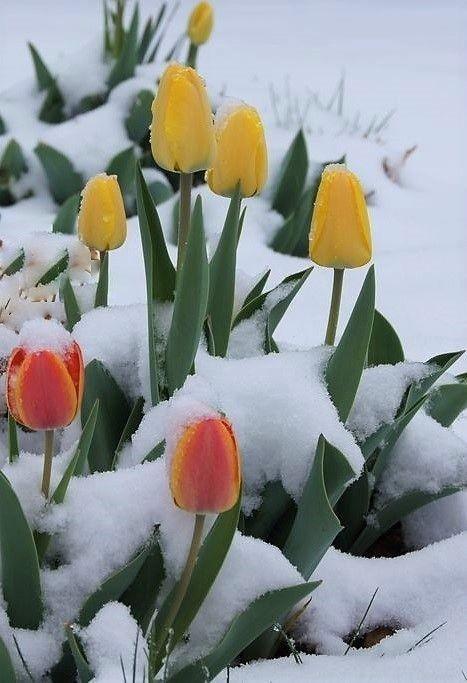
point(48, 456)
point(182, 585)
point(186, 181)
point(335, 306)
point(192, 55)
point(102, 291)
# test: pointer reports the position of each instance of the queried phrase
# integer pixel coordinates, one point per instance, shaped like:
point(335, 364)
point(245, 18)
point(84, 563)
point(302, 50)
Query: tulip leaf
point(439, 365)
point(20, 566)
point(67, 296)
point(257, 289)
point(447, 402)
point(102, 289)
point(292, 177)
point(395, 510)
point(385, 347)
point(275, 504)
point(44, 78)
point(63, 180)
point(13, 448)
point(126, 63)
point(352, 509)
point(123, 165)
point(345, 367)
point(12, 163)
point(7, 669)
point(191, 298)
point(155, 452)
point(52, 109)
point(114, 411)
point(141, 595)
point(54, 271)
point(133, 422)
point(292, 237)
point(84, 670)
point(160, 192)
point(222, 279)
point(246, 627)
point(15, 265)
point(210, 560)
point(289, 288)
point(308, 542)
point(65, 221)
point(3, 128)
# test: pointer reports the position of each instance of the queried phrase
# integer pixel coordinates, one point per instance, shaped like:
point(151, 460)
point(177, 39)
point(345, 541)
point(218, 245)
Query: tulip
point(182, 135)
point(340, 235)
point(102, 223)
point(200, 23)
point(44, 388)
point(242, 157)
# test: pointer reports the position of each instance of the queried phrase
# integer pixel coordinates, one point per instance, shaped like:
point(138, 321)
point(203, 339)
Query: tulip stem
point(335, 306)
point(48, 455)
point(192, 55)
point(186, 181)
point(182, 585)
point(102, 291)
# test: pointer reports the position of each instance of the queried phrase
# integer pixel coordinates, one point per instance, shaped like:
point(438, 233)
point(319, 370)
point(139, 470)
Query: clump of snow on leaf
point(40, 334)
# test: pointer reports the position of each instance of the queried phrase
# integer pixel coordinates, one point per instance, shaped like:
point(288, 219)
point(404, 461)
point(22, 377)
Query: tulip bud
point(200, 23)
point(241, 157)
point(205, 471)
point(340, 235)
point(102, 220)
point(45, 377)
point(182, 129)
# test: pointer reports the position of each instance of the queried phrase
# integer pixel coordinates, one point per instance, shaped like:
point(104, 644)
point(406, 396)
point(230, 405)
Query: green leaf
point(439, 366)
point(191, 298)
point(257, 289)
point(52, 109)
point(352, 509)
point(291, 236)
point(292, 177)
point(84, 670)
point(15, 265)
point(385, 347)
point(12, 163)
point(139, 119)
point(7, 669)
point(276, 312)
point(65, 220)
point(13, 448)
point(222, 279)
point(308, 542)
point(160, 192)
point(3, 128)
point(123, 165)
point(141, 595)
point(393, 512)
point(447, 402)
point(90, 102)
point(126, 63)
point(67, 296)
point(210, 560)
point(259, 615)
point(133, 422)
point(345, 367)
point(114, 411)
point(275, 503)
point(54, 271)
point(20, 567)
point(155, 452)
point(102, 290)
point(44, 78)
point(63, 180)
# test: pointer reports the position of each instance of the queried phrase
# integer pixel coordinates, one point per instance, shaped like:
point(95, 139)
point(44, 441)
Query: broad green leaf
point(141, 595)
point(292, 235)
point(447, 402)
point(65, 221)
point(352, 509)
point(63, 180)
point(248, 625)
point(146, 37)
point(384, 347)
point(15, 265)
point(12, 162)
point(13, 448)
point(439, 365)
point(67, 296)
point(133, 422)
point(210, 560)
point(292, 177)
point(155, 452)
point(191, 298)
point(393, 512)
point(90, 102)
point(345, 367)
point(3, 128)
point(275, 503)
point(113, 414)
point(123, 165)
point(44, 78)
point(139, 119)
point(257, 289)
point(20, 567)
point(102, 289)
point(160, 192)
point(126, 63)
point(222, 279)
point(7, 670)
point(316, 526)
point(52, 109)
point(277, 311)
point(54, 271)
point(84, 670)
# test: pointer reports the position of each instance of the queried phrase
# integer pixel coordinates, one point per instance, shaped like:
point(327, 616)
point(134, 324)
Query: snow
point(37, 335)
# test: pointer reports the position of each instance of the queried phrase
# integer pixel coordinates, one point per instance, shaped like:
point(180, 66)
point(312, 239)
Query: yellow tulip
point(340, 235)
point(242, 156)
point(182, 129)
point(102, 220)
point(200, 23)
